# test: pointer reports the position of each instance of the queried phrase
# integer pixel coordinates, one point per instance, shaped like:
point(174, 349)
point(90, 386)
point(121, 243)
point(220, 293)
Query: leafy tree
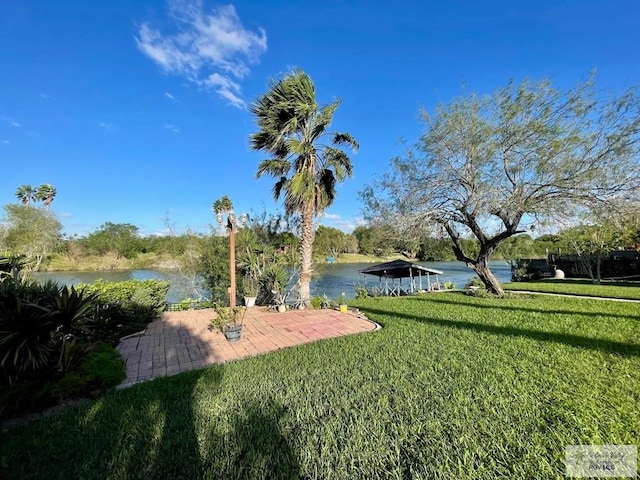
point(434, 249)
point(547, 244)
point(46, 193)
point(292, 127)
point(26, 194)
point(517, 247)
point(121, 238)
point(30, 231)
point(485, 166)
point(329, 241)
point(351, 243)
point(372, 240)
point(213, 267)
point(594, 240)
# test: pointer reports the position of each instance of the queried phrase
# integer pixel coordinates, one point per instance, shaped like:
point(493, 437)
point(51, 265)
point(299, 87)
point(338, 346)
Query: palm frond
point(325, 189)
point(279, 186)
point(323, 119)
point(340, 139)
point(276, 167)
point(339, 161)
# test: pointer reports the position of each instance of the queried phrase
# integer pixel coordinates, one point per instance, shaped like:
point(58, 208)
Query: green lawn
point(628, 290)
point(452, 387)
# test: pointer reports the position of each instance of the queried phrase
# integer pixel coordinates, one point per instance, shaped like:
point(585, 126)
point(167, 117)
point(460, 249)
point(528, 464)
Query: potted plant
point(229, 321)
point(325, 302)
point(274, 280)
point(249, 290)
point(342, 303)
point(278, 299)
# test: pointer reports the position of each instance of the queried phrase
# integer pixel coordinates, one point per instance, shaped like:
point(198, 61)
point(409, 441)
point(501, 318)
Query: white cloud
point(347, 225)
point(226, 88)
point(45, 96)
point(6, 142)
point(10, 121)
point(169, 96)
point(212, 50)
point(173, 128)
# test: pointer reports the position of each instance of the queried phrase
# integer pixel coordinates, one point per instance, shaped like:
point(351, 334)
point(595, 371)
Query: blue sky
point(135, 111)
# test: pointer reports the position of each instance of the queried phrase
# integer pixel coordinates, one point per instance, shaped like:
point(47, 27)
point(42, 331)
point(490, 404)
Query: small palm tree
point(26, 194)
point(292, 127)
point(220, 207)
point(46, 193)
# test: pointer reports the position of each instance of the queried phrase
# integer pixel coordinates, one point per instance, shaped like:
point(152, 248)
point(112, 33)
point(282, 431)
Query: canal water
point(332, 279)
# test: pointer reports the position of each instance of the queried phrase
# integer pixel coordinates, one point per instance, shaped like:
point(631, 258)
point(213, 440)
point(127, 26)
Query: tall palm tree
point(26, 194)
point(46, 193)
point(292, 129)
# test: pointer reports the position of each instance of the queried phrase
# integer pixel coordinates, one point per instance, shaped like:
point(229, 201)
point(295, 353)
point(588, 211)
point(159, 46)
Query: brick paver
point(181, 341)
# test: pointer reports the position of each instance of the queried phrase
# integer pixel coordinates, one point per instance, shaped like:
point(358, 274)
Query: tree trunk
point(480, 264)
point(306, 254)
point(491, 283)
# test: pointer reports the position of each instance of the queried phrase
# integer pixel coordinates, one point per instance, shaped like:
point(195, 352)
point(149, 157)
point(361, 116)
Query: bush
point(35, 322)
point(25, 329)
point(316, 301)
point(361, 292)
point(98, 371)
point(474, 282)
point(126, 307)
point(449, 285)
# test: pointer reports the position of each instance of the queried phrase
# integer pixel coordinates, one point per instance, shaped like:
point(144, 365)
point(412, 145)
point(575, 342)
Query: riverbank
point(153, 261)
point(359, 258)
point(109, 262)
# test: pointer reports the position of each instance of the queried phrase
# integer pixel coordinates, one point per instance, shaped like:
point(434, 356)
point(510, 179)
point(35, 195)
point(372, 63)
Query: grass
point(452, 387)
point(626, 290)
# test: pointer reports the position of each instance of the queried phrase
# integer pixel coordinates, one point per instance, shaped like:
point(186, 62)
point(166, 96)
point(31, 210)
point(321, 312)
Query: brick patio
point(181, 341)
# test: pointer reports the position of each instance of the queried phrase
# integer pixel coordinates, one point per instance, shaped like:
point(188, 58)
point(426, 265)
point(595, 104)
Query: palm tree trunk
point(306, 254)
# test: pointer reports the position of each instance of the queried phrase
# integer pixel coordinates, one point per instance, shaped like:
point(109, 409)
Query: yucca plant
point(26, 331)
point(73, 312)
point(275, 279)
point(39, 324)
point(72, 309)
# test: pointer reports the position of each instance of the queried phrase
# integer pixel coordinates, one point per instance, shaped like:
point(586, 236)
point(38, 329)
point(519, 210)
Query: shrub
point(35, 321)
point(275, 279)
point(26, 329)
point(449, 285)
point(474, 282)
point(316, 301)
point(98, 371)
point(361, 292)
point(126, 307)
